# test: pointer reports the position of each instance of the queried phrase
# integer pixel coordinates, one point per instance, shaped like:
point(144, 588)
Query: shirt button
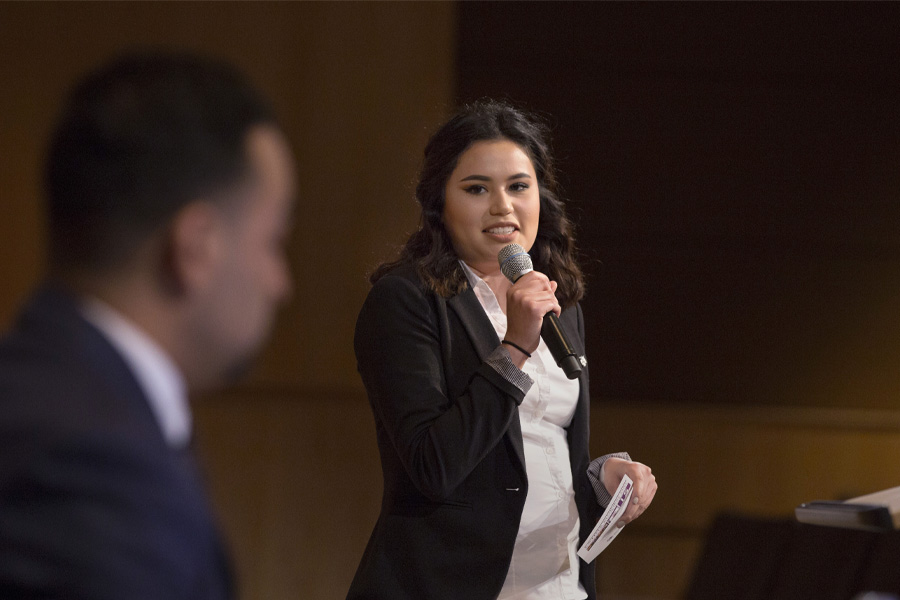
point(551, 450)
point(561, 495)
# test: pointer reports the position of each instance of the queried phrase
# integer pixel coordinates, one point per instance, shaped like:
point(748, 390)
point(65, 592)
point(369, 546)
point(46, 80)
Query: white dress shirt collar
point(482, 290)
point(159, 378)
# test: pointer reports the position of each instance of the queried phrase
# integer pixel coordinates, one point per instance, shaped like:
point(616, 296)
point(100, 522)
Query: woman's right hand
point(527, 301)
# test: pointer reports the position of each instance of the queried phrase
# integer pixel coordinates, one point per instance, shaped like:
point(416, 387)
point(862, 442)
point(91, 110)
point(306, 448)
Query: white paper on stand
point(607, 528)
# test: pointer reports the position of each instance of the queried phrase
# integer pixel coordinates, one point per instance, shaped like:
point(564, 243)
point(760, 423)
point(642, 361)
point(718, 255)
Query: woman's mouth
point(500, 230)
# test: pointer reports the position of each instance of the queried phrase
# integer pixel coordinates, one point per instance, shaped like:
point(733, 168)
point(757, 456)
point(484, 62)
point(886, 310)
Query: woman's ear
point(194, 247)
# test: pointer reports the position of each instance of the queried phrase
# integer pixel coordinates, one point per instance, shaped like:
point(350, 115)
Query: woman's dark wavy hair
point(429, 248)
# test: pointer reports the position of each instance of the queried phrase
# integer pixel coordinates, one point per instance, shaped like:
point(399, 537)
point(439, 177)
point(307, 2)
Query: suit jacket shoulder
point(95, 504)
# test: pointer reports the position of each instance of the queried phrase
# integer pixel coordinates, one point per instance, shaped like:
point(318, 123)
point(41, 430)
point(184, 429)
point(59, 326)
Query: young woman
point(483, 439)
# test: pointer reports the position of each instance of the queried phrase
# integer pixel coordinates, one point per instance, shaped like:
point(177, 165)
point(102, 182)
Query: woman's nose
point(501, 204)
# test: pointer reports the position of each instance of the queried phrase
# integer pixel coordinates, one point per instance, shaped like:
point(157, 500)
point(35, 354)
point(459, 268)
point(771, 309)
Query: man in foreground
point(169, 188)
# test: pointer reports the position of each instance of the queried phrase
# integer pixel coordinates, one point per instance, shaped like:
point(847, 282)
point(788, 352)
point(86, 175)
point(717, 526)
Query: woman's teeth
point(501, 230)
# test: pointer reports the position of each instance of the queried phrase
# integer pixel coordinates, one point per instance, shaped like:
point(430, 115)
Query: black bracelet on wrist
point(517, 347)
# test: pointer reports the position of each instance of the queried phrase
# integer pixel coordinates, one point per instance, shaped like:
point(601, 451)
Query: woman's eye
point(519, 186)
point(476, 189)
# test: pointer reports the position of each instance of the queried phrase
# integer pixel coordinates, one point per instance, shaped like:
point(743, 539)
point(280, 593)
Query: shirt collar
point(483, 292)
point(158, 377)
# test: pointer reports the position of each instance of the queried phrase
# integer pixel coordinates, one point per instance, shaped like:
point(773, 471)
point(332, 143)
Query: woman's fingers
point(644, 490)
point(538, 291)
point(527, 301)
point(534, 281)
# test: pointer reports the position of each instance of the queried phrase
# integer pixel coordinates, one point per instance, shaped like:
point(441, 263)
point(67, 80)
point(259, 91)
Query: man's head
point(169, 188)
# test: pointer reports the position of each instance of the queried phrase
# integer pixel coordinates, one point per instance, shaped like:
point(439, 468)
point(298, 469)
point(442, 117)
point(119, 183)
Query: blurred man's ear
point(194, 247)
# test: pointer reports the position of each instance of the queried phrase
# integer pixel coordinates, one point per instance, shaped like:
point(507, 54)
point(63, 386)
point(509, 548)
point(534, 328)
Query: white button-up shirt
point(544, 561)
point(159, 378)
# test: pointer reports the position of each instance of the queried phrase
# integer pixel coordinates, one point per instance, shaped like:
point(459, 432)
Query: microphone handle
point(560, 347)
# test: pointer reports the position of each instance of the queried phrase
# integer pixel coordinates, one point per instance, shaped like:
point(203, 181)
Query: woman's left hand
point(644, 485)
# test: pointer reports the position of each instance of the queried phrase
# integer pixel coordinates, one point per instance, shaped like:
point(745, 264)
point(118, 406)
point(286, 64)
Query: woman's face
point(491, 200)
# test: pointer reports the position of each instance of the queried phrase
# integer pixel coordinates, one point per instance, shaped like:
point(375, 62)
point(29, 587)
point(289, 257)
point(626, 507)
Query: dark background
point(733, 172)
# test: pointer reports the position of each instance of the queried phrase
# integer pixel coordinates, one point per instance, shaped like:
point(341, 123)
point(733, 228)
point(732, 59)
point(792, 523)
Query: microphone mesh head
point(514, 261)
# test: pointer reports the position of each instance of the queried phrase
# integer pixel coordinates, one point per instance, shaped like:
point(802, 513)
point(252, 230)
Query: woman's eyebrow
point(486, 178)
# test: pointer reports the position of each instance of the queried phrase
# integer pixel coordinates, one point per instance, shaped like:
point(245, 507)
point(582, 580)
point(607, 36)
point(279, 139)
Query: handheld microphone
point(515, 262)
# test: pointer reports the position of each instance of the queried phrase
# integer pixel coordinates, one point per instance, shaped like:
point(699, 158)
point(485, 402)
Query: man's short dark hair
point(137, 140)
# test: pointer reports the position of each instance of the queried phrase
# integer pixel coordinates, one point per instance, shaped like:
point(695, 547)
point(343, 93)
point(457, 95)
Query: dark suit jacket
point(93, 503)
point(451, 446)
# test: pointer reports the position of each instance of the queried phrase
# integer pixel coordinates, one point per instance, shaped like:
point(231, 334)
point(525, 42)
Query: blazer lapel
point(578, 431)
point(475, 321)
point(481, 332)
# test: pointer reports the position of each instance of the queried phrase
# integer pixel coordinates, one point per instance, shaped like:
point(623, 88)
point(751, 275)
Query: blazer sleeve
point(439, 440)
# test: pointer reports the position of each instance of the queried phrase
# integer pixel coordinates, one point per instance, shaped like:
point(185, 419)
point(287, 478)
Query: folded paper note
point(608, 526)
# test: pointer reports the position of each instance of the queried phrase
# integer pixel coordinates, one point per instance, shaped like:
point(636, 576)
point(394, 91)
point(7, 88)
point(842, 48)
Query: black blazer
point(93, 503)
point(451, 446)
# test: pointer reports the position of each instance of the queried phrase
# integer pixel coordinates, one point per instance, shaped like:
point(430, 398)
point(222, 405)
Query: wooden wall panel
point(759, 461)
point(359, 87)
point(297, 480)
